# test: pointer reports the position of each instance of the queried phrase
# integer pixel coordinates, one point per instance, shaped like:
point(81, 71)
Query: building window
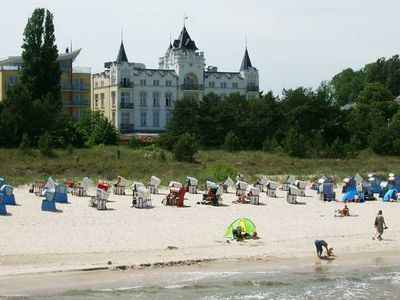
point(102, 83)
point(168, 83)
point(96, 84)
point(143, 98)
point(96, 100)
point(156, 99)
point(143, 117)
point(125, 97)
point(235, 85)
point(168, 99)
point(124, 118)
point(223, 96)
point(113, 98)
point(113, 80)
point(102, 100)
point(156, 119)
point(167, 117)
point(211, 84)
point(156, 82)
point(142, 81)
point(223, 85)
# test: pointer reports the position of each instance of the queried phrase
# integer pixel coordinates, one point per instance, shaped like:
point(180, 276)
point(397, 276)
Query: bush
point(185, 148)
point(69, 149)
point(162, 157)
point(24, 146)
point(45, 145)
point(295, 144)
point(218, 171)
point(270, 144)
point(231, 142)
point(134, 143)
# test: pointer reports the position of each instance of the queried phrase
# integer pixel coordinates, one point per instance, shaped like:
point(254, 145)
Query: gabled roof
point(246, 62)
point(121, 57)
point(184, 41)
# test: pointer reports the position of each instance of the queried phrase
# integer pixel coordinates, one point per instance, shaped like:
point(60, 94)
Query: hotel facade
point(140, 100)
point(74, 82)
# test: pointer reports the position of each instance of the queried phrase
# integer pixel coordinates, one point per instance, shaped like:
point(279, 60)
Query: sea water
point(326, 282)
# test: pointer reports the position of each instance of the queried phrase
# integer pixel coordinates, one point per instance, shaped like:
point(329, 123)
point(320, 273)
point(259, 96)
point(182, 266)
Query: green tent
point(246, 225)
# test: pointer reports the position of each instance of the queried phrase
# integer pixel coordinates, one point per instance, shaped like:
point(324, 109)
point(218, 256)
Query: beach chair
point(290, 180)
point(100, 200)
point(301, 185)
point(272, 186)
point(175, 197)
point(2, 182)
point(120, 186)
point(48, 203)
point(175, 184)
point(82, 189)
point(394, 181)
point(8, 194)
point(384, 188)
point(253, 194)
point(3, 209)
point(365, 191)
point(375, 182)
point(292, 193)
point(349, 183)
point(59, 189)
point(228, 183)
point(37, 188)
point(191, 184)
point(326, 192)
point(241, 188)
point(153, 185)
point(135, 187)
point(142, 198)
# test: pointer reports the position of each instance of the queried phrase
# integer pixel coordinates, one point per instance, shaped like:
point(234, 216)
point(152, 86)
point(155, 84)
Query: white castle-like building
point(140, 100)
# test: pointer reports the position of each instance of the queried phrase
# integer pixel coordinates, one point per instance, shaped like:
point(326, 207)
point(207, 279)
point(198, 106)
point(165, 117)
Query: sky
point(291, 42)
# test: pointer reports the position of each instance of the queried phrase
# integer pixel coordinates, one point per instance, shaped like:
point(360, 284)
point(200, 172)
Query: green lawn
point(139, 164)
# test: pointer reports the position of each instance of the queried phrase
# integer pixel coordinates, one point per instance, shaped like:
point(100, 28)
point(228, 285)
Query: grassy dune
point(139, 164)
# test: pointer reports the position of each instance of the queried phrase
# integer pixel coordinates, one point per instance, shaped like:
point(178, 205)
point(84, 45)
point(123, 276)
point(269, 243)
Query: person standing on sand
point(380, 225)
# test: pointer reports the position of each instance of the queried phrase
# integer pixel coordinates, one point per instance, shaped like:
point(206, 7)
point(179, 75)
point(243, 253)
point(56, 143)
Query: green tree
point(97, 129)
point(231, 142)
point(347, 85)
point(295, 144)
point(185, 148)
point(374, 92)
point(34, 105)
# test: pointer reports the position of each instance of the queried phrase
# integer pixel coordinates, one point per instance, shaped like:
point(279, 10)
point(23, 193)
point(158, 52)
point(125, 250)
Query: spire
point(184, 41)
point(246, 63)
point(121, 57)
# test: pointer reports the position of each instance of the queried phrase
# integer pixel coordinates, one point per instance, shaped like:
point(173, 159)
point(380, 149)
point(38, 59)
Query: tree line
point(353, 111)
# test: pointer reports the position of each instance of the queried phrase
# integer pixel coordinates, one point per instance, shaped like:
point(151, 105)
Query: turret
point(250, 73)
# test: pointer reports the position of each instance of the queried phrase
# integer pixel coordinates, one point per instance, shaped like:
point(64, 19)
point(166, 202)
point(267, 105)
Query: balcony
point(126, 105)
point(76, 103)
point(125, 128)
point(126, 84)
point(74, 87)
point(253, 88)
point(191, 87)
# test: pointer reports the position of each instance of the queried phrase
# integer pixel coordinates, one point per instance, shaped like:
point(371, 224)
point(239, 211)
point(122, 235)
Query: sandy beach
point(80, 237)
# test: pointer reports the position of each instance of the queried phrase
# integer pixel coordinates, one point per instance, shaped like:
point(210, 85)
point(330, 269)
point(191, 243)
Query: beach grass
point(101, 162)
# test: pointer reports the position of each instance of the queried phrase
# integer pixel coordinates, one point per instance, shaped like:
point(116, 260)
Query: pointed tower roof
point(121, 57)
point(246, 62)
point(184, 41)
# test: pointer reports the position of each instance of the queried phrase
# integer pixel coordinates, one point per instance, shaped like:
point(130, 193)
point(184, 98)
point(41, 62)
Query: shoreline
point(123, 276)
point(82, 240)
